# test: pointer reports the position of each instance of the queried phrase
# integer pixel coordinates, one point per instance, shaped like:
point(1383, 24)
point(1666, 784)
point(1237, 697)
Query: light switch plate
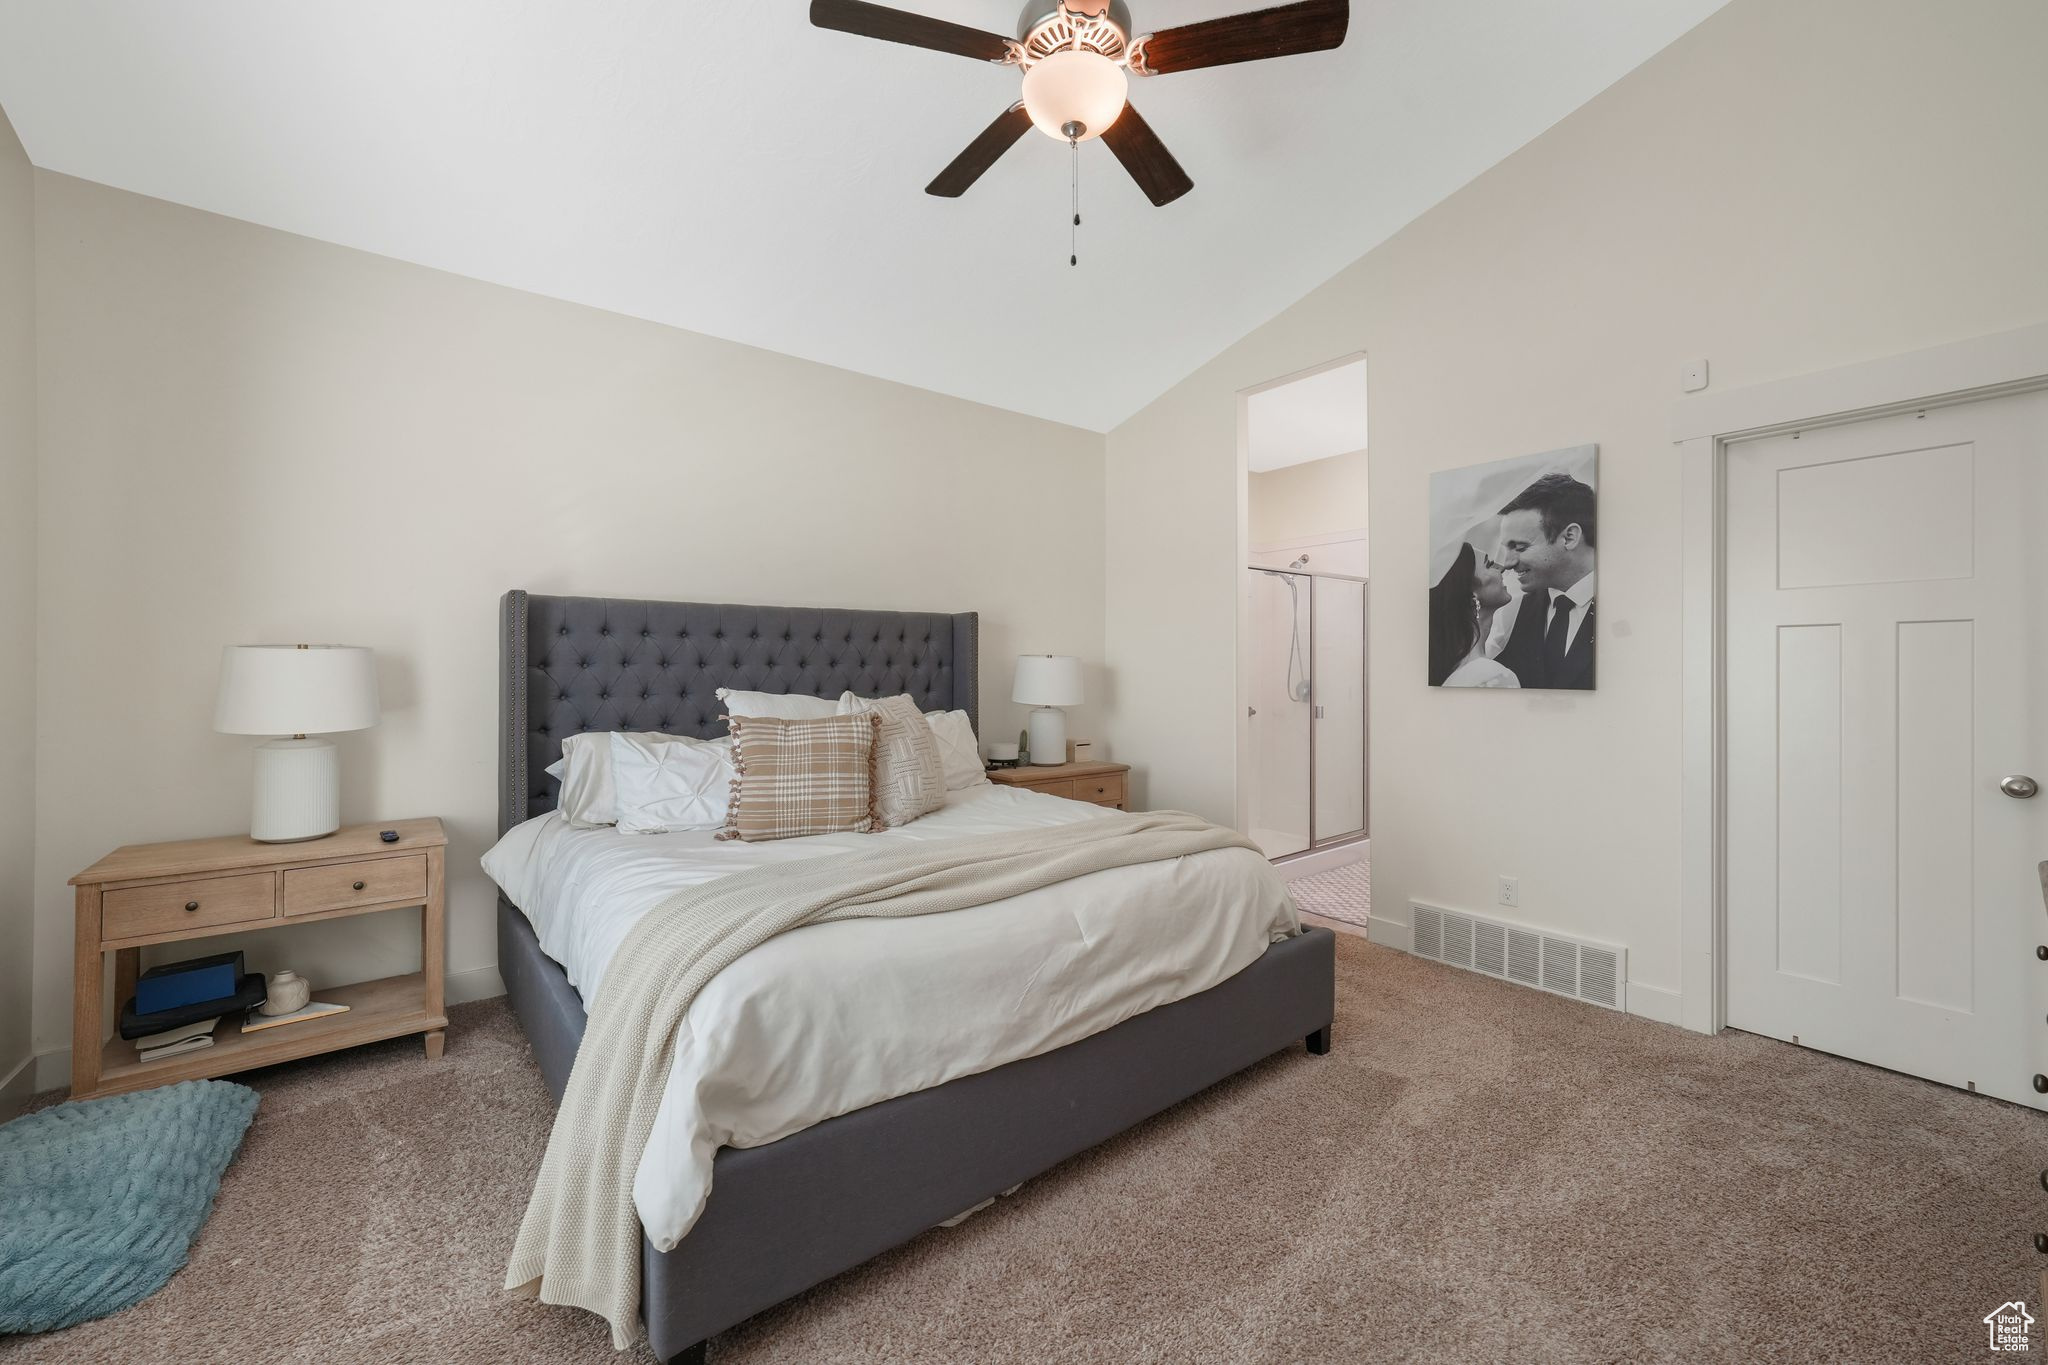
point(1693, 377)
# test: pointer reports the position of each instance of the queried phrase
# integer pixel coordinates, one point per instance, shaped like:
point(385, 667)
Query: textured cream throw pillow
point(799, 777)
point(910, 777)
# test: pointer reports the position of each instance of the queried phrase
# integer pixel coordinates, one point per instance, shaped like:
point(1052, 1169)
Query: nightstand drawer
point(1099, 784)
point(1103, 791)
point(309, 890)
point(174, 906)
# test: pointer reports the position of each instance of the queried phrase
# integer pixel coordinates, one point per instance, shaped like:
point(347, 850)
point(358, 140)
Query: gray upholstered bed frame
point(792, 1214)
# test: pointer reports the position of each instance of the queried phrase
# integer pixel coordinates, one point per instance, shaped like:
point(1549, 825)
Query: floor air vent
point(1592, 972)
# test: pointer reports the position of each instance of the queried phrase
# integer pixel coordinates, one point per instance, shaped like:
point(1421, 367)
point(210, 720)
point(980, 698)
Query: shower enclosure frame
point(1364, 830)
point(1241, 751)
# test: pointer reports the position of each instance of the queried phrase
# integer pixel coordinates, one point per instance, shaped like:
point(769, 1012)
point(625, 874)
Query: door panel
point(1340, 709)
point(1936, 870)
point(1892, 518)
point(1280, 683)
point(1886, 627)
point(1809, 893)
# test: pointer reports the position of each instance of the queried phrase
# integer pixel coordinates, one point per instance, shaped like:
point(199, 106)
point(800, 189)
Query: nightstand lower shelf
point(390, 1007)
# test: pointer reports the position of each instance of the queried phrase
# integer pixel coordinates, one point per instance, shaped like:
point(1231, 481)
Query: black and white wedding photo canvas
point(1512, 551)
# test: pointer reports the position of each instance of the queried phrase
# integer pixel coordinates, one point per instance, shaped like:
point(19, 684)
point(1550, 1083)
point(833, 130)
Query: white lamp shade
point(1075, 86)
point(1047, 680)
point(296, 690)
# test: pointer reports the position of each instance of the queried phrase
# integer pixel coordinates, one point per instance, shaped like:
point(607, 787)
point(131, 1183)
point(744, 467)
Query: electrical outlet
point(1510, 891)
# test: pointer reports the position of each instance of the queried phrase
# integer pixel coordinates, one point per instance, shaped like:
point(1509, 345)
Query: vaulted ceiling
point(727, 168)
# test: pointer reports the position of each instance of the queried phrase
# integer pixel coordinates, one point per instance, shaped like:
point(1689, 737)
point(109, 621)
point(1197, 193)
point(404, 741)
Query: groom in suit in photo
point(1546, 537)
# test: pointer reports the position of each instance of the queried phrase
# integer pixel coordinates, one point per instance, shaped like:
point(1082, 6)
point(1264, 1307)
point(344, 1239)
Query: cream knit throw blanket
point(580, 1240)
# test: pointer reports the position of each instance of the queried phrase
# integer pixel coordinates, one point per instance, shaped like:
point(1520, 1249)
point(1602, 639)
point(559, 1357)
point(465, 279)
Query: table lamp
point(300, 691)
point(1048, 682)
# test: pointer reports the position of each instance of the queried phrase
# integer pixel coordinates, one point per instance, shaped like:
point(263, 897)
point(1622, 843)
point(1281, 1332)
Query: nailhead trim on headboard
point(570, 665)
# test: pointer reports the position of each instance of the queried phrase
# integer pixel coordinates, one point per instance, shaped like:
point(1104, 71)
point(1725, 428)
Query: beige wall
point(254, 436)
point(17, 601)
point(1788, 188)
point(1312, 499)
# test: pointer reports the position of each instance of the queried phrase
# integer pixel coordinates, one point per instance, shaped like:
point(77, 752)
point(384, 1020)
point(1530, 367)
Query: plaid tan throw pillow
point(798, 777)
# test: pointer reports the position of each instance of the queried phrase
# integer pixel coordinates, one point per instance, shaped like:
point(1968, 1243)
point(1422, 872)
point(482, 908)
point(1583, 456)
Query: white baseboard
point(1390, 933)
point(19, 1085)
point(53, 1070)
point(478, 983)
point(1653, 1002)
point(1324, 860)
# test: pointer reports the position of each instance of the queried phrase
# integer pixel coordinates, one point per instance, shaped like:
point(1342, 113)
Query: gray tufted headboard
point(575, 664)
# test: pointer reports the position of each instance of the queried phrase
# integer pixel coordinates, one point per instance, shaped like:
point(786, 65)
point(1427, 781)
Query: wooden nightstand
point(168, 893)
point(1100, 784)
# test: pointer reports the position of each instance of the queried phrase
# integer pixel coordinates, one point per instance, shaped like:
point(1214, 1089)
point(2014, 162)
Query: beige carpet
point(1478, 1172)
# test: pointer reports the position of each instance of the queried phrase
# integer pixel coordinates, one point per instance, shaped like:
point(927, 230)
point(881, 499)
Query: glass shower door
point(1340, 738)
point(1280, 689)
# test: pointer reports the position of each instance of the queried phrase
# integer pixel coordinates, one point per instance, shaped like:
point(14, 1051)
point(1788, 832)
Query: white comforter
point(834, 1017)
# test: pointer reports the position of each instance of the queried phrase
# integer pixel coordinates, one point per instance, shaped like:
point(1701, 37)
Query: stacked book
point(177, 1004)
point(172, 1041)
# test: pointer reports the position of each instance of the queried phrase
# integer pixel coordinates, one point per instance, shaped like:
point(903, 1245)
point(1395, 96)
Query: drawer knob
point(191, 905)
point(358, 886)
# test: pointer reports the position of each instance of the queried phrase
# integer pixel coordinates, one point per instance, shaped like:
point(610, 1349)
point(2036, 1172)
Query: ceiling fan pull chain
point(1074, 257)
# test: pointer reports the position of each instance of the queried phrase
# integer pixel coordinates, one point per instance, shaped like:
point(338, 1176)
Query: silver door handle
point(2020, 787)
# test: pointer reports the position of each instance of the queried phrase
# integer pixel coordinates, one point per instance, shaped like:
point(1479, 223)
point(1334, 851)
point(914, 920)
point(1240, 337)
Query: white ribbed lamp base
point(1046, 731)
point(298, 791)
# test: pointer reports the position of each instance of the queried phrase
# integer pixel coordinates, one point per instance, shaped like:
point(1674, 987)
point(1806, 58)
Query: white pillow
point(588, 798)
point(910, 778)
point(959, 751)
point(776, 705)
point(668, 784)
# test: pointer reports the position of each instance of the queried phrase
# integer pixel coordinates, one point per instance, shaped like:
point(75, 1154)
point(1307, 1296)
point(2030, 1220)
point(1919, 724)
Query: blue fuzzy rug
point(100, 1200)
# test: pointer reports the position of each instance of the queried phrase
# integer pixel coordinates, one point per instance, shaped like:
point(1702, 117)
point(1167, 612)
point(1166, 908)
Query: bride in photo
point(1461, 611)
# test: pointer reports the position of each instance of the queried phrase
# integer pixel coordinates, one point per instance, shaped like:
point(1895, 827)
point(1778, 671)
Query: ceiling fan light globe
point(1075, 87)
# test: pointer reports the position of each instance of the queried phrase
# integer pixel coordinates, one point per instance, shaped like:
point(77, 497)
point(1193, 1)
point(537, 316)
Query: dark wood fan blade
point(898, 26)
point(1146, 158)
point(1311, 26)
point(981, 153)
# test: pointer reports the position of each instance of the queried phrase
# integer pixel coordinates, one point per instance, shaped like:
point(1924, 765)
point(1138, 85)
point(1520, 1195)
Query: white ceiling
point(729, 169)
point(1311, 418)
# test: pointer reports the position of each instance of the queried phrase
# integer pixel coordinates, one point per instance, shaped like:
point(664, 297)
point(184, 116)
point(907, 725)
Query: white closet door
point(1887, 621)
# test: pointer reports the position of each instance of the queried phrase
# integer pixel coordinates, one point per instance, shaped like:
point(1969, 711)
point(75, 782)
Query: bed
point(798, 1210)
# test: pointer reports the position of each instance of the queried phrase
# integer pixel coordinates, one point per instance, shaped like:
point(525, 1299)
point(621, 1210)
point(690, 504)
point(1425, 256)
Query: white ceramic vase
point(287, 992)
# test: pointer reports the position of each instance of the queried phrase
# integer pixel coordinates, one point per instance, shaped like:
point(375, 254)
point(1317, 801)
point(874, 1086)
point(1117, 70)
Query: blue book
point(174, 985)
point(250, 995)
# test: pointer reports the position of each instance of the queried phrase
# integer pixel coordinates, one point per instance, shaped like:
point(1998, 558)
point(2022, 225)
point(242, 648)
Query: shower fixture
point(1304, 688)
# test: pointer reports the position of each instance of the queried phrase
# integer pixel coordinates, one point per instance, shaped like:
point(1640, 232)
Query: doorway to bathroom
point(1303, 638)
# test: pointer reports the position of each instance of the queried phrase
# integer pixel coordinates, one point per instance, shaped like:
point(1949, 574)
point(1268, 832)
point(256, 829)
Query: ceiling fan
point(1075, 55)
